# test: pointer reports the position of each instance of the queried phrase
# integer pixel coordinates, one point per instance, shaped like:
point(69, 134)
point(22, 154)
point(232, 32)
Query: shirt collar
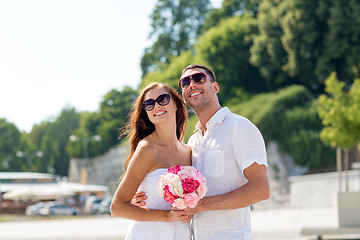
point(217, 118)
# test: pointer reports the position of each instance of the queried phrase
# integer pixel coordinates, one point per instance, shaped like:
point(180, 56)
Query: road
point(277, 224)
point(96, 228)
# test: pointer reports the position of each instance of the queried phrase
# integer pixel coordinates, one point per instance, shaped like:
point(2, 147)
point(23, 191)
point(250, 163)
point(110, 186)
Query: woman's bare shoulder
point(145, 154)
point(146, 147)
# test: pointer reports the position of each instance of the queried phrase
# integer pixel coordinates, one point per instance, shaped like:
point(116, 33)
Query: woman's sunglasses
point(199, 78)
point(162, 100)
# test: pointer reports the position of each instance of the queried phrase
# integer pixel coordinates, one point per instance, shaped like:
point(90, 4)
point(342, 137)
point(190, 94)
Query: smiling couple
point(226, 148)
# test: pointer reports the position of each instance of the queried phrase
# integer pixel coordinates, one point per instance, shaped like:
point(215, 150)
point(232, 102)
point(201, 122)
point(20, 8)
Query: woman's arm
point(142, 162)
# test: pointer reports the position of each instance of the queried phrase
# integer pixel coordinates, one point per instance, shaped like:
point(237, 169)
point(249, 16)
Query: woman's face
point(161, 112)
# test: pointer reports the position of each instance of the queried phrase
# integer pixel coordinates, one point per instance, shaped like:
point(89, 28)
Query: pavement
point(276, 224)
point(286, 224)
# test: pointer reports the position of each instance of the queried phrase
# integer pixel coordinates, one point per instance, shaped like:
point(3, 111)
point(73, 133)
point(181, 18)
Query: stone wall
point(281, 167)
point(102, 170)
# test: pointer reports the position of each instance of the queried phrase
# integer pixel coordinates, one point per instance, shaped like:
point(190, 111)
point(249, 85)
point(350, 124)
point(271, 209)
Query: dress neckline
point(158, 169)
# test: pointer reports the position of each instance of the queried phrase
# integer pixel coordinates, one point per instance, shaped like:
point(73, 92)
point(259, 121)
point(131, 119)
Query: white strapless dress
point(139, 230)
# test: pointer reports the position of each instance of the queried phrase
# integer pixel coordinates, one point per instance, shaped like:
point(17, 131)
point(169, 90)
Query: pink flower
point(174, 169)
point(190, 185)
point(201, 191)
point(184, 174)
point(168, 196)
point(179, 203)
point(182, 186)
point(191, 199)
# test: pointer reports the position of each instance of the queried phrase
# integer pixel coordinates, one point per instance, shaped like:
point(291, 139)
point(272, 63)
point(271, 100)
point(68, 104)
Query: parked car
point(104, 207)
point(58, 209)
point(92, 204)
point(34, 209)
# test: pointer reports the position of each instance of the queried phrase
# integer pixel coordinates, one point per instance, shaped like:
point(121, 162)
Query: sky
point(68, 53)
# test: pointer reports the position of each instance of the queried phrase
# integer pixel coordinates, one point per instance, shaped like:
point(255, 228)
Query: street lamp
point(29, 156)
point(85, 141)
point(83, 173)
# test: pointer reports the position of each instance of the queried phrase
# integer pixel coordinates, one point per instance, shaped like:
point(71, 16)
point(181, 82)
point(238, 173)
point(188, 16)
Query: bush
point(289, 116)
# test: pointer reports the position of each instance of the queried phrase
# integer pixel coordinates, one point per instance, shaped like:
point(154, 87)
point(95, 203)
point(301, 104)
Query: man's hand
point(139, 199)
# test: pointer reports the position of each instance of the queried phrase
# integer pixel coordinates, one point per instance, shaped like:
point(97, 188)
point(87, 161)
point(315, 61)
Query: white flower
point(175, 186)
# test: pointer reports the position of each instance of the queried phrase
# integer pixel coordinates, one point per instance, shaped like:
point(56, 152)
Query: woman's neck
point(165, 135)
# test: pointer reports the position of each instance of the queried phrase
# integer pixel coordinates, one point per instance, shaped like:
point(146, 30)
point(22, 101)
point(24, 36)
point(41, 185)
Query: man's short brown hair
point(207, 69)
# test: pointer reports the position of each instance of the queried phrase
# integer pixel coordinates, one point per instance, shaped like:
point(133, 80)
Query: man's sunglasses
point(162, 100)
point(199, 78)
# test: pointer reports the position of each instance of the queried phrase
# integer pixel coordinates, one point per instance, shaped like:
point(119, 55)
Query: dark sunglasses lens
point(198, 78)
point(163, 99)
point(185, 82)
point(149, 104)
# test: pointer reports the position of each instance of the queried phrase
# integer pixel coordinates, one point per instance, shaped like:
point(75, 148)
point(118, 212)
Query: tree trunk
point(338, 167)
point(346, 169)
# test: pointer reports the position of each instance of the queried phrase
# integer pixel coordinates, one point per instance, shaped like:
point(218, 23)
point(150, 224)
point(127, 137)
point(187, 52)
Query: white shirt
point(230, 145)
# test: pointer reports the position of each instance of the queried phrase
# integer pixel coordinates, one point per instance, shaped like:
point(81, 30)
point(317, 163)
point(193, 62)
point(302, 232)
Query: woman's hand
point(176, 217)
point(189, 211)
point(139, 199)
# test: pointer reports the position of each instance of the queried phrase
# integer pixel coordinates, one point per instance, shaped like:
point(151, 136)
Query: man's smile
point(195, 93)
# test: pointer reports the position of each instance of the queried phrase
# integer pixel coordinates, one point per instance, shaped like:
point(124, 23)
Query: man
point(230, 151)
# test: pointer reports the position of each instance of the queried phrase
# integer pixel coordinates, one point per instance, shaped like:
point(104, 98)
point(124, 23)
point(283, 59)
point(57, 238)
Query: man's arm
point(255, 190)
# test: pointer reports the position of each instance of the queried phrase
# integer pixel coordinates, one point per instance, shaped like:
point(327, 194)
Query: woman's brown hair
point(140, 126)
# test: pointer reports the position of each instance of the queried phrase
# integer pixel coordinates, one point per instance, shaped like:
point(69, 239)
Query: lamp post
point(85, 141)
point(83, 173)
point(29, 156)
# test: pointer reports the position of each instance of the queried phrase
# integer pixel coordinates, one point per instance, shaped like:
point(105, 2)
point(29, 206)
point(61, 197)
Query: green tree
point(340, 111)
point(81, 144)
point(302, 42)
point(51, 138)
point(294, 109)
point(230, 8)
point(171, 74)
point(175, 27)
point(338, 131)
point(341, 49)
point(114, 112)
point(226, 48)
point(9, 145)
point(267, 51)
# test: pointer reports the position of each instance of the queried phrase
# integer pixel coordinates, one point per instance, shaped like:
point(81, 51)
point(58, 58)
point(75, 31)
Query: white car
point(58, 209)
point(34, 209)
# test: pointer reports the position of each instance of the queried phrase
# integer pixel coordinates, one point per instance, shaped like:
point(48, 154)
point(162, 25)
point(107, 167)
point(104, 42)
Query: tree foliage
point(302, 42)
point(230, 8)
point(172, 73)
point(340, 112)
point(9, 145)
point(51, 138)
point(226, 48)
point(114, 110)
point(175, 27)
point(295, 111)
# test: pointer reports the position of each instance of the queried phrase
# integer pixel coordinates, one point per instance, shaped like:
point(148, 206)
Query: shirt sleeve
point(248, 144)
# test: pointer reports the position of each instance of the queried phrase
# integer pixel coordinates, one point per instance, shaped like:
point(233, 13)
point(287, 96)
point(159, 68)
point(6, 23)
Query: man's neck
point(205, 116)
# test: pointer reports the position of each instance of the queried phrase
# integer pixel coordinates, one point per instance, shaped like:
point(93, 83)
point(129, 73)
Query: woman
point(157, 127)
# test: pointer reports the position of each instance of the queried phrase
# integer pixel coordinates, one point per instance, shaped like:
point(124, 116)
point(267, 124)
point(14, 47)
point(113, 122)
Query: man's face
point(199, 96)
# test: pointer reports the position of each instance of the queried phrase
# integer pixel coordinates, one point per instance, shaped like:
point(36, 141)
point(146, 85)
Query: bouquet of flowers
point(182, 186)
